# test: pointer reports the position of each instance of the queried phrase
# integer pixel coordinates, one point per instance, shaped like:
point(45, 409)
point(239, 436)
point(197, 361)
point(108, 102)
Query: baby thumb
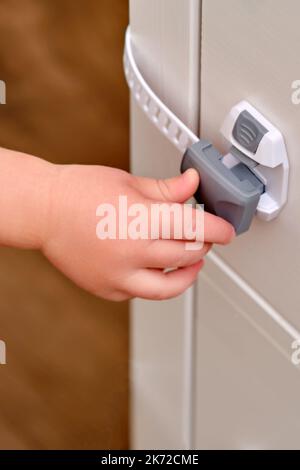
point(180, 188)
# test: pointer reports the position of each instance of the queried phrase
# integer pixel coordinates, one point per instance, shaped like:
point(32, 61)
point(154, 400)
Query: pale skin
point(52, 208)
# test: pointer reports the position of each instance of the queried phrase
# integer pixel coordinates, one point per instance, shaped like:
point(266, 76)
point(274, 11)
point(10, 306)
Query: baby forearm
point(25, 192)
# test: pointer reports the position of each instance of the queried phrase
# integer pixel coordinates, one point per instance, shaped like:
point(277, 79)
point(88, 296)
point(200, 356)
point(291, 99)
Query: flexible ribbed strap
point(161, 116)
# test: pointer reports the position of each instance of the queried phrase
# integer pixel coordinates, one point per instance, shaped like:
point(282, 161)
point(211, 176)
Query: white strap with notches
point(161, 116)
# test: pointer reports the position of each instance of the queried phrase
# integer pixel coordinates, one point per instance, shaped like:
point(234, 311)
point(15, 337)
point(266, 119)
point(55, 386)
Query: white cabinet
point(250, 50)
point(165, 40)
point(247, 389)
point(212, 369)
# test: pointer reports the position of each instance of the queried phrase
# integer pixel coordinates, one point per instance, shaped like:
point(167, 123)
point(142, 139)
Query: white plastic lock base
point(272, 159)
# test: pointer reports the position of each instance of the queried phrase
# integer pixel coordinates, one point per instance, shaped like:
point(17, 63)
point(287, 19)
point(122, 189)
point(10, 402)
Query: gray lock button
point(231, 193)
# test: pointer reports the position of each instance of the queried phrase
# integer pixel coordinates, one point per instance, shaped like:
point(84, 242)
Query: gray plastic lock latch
point(248, 131)
point(232, 193)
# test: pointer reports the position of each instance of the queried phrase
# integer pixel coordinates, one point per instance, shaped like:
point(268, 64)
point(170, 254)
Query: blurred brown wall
point(65, 384)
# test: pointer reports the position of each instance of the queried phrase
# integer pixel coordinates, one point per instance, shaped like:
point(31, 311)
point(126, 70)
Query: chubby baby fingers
point(173, 254)
point(154, 284)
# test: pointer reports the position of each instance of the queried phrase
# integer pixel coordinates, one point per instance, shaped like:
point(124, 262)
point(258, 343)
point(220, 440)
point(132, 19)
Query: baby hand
point(118, 269)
